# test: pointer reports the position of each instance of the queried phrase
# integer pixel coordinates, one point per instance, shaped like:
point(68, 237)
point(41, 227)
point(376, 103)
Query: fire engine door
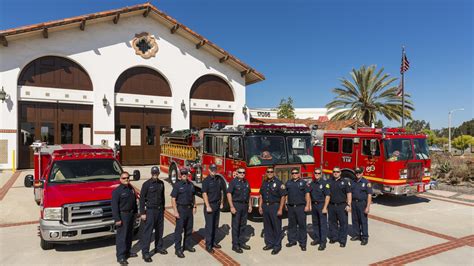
point(234, 155)
point(347, 153)
point(370, 158)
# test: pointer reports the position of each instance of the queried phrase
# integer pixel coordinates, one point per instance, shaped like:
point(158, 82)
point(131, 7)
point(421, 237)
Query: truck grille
point(415, 172)
point(87, 212)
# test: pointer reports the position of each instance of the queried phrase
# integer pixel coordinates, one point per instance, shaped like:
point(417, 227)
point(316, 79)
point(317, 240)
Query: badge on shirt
point(369, 185)
point(320, 186)
point(282, 186)
point(274, 184)
point(363, 184)
point(301, 183)
point(342, 183)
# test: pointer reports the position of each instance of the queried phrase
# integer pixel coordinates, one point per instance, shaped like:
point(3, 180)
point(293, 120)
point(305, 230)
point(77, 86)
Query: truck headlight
point(403, 174)
point(427, 171)
point(53, 214)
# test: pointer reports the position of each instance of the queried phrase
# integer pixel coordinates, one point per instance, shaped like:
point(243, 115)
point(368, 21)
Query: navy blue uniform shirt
point(319, 190)
point(183, 192)
point(152, 194)
point(239, 189)
point(272, 190)
point(361, 189)
point(297, 190)
point(212, 185)
point(123, 200)
point(339, 190)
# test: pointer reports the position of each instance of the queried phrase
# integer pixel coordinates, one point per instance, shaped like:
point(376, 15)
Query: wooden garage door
point(139, 130)
point(202, 119)
point(52, 123)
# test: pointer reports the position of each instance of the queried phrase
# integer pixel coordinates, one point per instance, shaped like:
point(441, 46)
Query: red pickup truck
point(73, 185)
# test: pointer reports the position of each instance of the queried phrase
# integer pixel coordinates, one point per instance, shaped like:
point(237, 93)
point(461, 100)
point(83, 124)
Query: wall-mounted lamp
point(183, 106)
point(3, 95)
point(105, 102)
point(244, 109)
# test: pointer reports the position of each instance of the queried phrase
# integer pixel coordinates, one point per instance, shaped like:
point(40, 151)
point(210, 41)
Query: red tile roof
point(325, 125)
point(251, 75)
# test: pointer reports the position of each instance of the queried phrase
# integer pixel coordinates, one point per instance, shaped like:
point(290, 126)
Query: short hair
point(295, 169)
point(271, 167)
point(320, 170)
point(125, 173)
point(336, 167)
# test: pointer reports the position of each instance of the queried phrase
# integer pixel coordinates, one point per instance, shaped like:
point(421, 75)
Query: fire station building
point(128, 74)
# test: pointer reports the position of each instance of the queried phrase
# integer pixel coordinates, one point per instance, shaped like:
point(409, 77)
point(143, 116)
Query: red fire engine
point(396, 162)
point(253, 147)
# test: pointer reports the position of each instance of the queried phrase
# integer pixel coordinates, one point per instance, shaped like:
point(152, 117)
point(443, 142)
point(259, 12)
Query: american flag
point(405, 64)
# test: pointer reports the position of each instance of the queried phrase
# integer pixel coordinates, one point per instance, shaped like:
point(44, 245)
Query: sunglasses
point(125, 178)
point(240, 172)
point(317, 173)
point(336, 171)
point(270, 171)
point(294, 173)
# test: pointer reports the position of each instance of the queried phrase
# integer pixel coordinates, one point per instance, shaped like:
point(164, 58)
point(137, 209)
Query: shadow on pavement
point(396, 201)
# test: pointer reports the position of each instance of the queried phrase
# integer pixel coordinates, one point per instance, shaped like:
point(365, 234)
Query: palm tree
point(367, 95)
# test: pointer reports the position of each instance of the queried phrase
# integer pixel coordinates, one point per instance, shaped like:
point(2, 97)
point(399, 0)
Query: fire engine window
point(66, 133)
point(220, 146)
point(398, 150)
point(85, 133)
point(265, 150)
point(121, 134)
point(366, 148)
point(150, 135)
point(332, 144)
point(27, 133)
point(300, 150)
point(47, 133)
point(135, 136)
point(236, 151)
point(346, 145)
point(208, 144)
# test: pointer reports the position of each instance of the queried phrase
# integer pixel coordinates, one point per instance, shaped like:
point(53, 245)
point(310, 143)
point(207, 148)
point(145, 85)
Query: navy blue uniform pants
point(123, 239)
point(338, 222)
point(239, 222)
point(272, 226)
point(154, 221)
point(297, 225)
point(212, 223)
point(183, 224)
point(320, 223)
point(359, 219)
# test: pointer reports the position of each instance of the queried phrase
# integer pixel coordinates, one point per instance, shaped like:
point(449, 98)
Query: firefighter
point(298, 202)
point(152, 206)
point(361, 200)
point(212, 193)
point(184, 207)
point(271, 203)
point(320, 196)
point(238, 196)
point(124, 210)
point(339, 207)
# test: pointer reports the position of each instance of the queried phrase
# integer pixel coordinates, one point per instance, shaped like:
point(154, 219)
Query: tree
point(431, 136)
point(286, 109)
point(417, 125)
point(467, 128)
point(379, 124)
point(462, 142)
point(368, 93)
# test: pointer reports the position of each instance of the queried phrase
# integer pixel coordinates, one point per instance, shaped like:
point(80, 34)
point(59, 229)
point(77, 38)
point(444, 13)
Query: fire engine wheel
point(349, 175)
point(45, 245)
point(173, 174)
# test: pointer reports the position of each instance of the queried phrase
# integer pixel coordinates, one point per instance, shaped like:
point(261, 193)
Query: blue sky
point(303, 47)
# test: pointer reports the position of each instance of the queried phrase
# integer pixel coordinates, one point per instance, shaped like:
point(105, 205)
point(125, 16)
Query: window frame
point(327, 146)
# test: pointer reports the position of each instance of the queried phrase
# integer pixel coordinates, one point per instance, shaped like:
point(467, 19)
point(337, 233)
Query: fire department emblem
point(97, 212)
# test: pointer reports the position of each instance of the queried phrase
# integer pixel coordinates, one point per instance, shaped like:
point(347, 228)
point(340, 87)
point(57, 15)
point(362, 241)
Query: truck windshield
point(398, 149)
point(265, 150)
point(421, 149)
point(79, 171)
point(300, 150)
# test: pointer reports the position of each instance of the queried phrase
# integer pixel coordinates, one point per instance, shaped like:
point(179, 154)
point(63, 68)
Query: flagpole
point(403, 89)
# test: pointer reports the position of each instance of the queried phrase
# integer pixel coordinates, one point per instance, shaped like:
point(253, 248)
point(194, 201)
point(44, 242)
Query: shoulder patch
point(327, 185)
point(283, 186)
point(369, 185)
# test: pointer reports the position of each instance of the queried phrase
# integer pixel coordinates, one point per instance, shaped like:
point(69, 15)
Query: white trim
point(139, 100)
point(45, 94)
point(211, 105)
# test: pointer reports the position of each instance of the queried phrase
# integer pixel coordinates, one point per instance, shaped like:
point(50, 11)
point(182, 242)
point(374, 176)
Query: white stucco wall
point(104, 51)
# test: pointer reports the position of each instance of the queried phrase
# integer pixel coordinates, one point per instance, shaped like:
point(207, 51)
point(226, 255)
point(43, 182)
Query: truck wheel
point(173, 174)
point(348, 175)
point(45, 245)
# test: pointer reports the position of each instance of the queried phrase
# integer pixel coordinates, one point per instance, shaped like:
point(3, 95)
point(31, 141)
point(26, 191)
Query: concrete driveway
point(428, 229)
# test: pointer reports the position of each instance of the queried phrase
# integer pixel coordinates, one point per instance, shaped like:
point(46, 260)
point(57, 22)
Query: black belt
point(240, 201)
point(316, 202)
point(270, 203)
point(154, 207)
point(186, 205)
point(130, 211)
point(296, 205)
point(359, 200)
point(338, 204)
point(212, 202)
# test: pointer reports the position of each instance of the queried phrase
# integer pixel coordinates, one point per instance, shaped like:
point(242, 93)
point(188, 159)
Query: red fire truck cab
point(73, 186)
point(253, 147)
point(396, 162)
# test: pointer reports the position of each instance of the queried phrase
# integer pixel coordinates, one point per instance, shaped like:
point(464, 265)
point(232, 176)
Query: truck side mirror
point(29, 179)
point(38, 184)
point(373, 146)
point(136, 175)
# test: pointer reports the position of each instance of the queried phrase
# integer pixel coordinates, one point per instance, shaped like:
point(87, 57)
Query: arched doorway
point(139, 128)
point(54, 122)
point(205, 90)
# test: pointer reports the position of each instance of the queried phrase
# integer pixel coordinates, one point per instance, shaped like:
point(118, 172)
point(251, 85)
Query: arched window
point(142, 80)
point(211, 87)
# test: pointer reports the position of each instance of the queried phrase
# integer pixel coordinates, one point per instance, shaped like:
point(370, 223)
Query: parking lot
point(430, 229)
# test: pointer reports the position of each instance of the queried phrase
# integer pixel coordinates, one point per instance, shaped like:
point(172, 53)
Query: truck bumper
point(55, 231)
point(408, 189)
